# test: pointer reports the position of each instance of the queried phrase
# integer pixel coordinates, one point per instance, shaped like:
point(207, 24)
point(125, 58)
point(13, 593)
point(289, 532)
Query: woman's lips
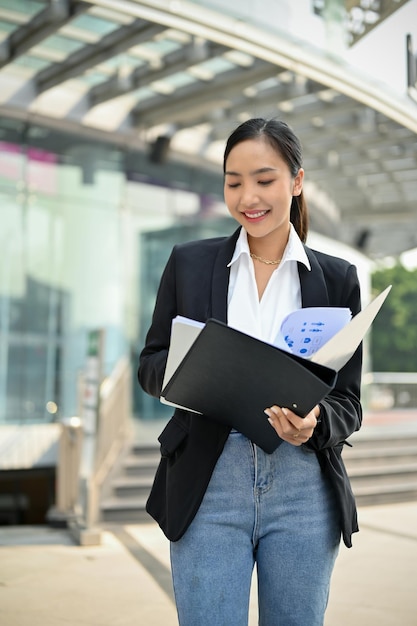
point(255, 215)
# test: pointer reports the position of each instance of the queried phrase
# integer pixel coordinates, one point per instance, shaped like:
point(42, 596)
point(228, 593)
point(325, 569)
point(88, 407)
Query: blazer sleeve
point(341, 411)
point(153, 358)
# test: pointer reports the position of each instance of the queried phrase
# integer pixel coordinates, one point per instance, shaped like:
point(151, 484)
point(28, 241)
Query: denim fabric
point(275, 511)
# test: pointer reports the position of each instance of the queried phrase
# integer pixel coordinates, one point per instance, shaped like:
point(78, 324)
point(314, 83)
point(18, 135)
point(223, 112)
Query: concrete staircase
point(382, 470)
point(129, 489)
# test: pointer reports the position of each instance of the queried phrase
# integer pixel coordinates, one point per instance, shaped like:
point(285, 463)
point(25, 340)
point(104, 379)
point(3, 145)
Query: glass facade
point(85, 230)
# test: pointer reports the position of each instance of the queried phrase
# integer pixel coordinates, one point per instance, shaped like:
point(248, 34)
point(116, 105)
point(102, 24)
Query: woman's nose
point(249, 195)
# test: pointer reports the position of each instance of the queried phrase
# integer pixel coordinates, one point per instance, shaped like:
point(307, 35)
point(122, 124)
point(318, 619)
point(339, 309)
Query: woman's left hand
point(290, 427)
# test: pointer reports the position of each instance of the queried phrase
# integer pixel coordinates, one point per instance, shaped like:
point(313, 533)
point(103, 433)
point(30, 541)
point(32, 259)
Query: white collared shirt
point(263, 318)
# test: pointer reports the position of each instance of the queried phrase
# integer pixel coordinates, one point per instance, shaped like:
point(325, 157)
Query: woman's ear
point(298, 183)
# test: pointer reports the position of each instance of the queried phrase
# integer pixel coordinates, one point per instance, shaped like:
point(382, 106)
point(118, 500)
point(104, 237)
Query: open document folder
point(232, 377)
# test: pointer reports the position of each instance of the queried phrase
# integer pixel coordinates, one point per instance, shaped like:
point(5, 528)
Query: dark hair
point(283, 139)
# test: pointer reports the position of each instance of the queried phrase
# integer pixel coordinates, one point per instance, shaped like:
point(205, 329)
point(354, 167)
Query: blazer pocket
point(172, 437)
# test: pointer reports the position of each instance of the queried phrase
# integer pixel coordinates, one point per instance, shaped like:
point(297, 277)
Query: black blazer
point(195, 284)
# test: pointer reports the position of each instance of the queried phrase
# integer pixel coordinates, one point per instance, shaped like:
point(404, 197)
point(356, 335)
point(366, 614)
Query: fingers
point(289, 426)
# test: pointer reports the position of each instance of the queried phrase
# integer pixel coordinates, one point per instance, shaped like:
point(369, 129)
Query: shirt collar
point(294, 250)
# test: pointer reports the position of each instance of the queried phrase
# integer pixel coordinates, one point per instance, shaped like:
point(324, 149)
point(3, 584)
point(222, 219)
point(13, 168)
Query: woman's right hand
point(291, 427)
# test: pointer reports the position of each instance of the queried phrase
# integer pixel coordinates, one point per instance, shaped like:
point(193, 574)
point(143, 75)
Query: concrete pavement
point(47, 580)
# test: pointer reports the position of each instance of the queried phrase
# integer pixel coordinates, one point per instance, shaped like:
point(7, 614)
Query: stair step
point(129, 486)
point(361, 438)
point(388, 483)
point(385, 494)
point(359, 465)
point(141, 450)
point(383, 470)
point(133, 469)
point(124, 510)
point(359, 460)
point(386, 450)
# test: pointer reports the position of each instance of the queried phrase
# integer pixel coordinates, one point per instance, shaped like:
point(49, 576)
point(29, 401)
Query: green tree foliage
point(393, 340)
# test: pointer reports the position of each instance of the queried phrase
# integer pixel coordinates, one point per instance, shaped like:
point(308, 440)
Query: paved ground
point(47, 580)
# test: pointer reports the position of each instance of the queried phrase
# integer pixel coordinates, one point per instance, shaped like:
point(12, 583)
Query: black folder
point(232, 377)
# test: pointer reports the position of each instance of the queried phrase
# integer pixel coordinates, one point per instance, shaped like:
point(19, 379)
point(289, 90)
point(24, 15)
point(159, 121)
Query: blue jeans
point(274, 510)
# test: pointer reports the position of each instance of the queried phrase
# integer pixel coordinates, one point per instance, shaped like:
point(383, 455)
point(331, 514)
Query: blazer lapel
point(313, 285)
point(220, 279)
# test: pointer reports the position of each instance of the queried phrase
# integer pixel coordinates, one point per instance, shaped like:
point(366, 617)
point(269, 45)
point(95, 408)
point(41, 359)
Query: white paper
point(306, 330)
point(184, 331)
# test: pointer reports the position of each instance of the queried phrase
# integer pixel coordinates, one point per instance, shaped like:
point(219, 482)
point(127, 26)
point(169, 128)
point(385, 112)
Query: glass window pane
point(31, 62)
point(28, 8)
point(62, 44)
point(94, 24)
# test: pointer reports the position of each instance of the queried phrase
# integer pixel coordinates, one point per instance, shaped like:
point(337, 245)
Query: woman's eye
point(233, 185)
point(265, 183)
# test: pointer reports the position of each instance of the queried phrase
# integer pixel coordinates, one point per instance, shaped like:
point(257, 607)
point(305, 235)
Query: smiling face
point(258, 190)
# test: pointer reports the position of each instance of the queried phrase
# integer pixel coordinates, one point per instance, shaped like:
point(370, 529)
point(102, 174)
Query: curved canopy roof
point(137, 71)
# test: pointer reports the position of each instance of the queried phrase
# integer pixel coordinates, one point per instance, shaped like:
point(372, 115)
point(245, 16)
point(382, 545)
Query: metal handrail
point(85, 458)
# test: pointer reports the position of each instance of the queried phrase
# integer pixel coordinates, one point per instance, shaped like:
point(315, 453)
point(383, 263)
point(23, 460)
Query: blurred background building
point(113, 117)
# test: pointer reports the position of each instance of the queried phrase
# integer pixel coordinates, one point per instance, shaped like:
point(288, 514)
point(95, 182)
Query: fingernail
point(284, 410)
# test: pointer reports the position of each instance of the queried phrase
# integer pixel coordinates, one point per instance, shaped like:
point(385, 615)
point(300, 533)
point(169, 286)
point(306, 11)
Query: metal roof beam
point(264, 103)
point(176, 61)
point(41, 26)
point(91, 55)
point(191, 102)
point(262, 106)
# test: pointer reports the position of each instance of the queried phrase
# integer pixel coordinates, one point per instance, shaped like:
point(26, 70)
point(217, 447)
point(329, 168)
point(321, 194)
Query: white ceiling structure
point(129, 72)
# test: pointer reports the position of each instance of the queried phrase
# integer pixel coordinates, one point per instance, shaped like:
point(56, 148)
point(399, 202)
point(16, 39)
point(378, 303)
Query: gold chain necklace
point(266, 261)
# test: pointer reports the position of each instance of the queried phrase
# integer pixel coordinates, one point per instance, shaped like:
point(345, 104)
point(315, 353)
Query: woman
point(223, 502)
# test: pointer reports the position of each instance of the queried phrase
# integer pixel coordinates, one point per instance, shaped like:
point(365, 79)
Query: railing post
point(67, 473)
point(89, 447)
